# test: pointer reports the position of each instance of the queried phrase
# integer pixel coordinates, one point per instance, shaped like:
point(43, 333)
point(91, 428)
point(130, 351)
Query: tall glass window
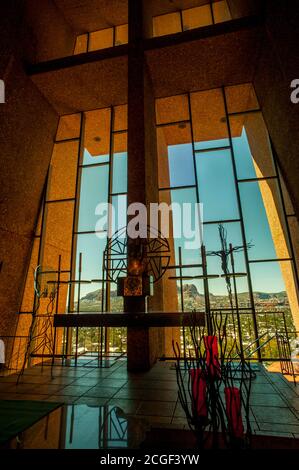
point(214, 148)
point(88, 167)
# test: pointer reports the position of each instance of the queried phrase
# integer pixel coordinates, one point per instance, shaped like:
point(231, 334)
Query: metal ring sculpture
point(153, 252)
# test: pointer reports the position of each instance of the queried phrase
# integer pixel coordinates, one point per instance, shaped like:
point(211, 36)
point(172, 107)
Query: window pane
point(63, 303)
point(58, 234)
point(243, 157)
point(208, 119)
point(90, 160)
point(97, 136)
point(216, 185)
point(101, 39)
point(197, 17)
point(119, 220)
point(116, 305)
point(94, 190)
point(241, 98)
point(69, 127)
point(181, 169)
point(182, 229)
point(170, 302)
point(121, 34)
point(212, 242)
point(186, 226)
point(120, 163)
point(221, 11)
point(175, 156)
point(63, 171)
point(193, 296)
point(179, 236)
point(92, 246)
point(263, 219)
point(172, 109)
point(90, 297)
point(167, 24)
point(211, 144)
point(120, 118)
point(81, 44)
point(120, 142)
point(247, 325)
point(274, 288)
point(218, 287)
point(251, 146)
point(120, 173)
point(219, 293)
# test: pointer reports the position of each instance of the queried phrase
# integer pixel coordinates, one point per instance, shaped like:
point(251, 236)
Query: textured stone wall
point(276, 68)
point(28, 125)
point(46, 33)
point(239, 8)
point(27, 129)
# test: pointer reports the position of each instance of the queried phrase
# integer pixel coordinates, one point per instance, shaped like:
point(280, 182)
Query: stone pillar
point(143, 344)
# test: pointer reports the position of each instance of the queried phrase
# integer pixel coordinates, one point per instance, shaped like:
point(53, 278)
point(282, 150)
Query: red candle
point(199, 391)
point(211, 346)
point(233, 410)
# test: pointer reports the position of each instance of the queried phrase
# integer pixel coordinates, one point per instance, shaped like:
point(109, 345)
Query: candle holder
point(214, 388)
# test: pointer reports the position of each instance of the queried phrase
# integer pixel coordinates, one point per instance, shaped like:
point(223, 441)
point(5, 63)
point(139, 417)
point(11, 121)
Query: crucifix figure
point(226, 255)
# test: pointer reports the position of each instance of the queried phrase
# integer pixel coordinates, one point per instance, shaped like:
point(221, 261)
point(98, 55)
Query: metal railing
point(270, 323)
point(273, 343)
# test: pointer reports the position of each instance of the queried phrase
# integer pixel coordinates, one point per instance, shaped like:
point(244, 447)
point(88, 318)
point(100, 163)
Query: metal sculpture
point(41, 338)
point(226, 255)
point(152, 254)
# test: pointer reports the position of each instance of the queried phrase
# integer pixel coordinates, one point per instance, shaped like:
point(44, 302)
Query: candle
point(211, 346)
point(233, 410)
point(199, 391)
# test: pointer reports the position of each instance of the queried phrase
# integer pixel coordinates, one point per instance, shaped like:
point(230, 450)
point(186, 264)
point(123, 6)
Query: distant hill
point(268, 296)
point(95, 296)
point(92, 296)
point(92, 302)
point(191, 293)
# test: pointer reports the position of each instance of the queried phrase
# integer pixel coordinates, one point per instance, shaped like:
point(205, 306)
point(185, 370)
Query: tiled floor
point(274, 406)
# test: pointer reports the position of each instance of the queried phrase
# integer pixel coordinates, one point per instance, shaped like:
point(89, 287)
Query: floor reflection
point(84, 427)
point(87, 427)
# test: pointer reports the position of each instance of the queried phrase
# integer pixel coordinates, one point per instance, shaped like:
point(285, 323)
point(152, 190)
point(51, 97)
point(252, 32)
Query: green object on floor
point(18, 415)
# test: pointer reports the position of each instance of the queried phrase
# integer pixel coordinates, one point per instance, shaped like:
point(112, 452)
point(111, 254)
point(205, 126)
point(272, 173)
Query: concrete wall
point(239, 8)
point(276, 68)
point(10, 27)
point(46, 33)
point(36, 31)
point(27, 129)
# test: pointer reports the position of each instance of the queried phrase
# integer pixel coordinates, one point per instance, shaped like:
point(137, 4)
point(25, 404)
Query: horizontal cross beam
point(152, 319)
